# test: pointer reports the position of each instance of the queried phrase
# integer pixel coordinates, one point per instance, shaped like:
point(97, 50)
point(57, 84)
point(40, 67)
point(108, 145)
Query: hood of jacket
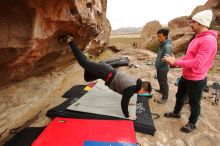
point(211, 33)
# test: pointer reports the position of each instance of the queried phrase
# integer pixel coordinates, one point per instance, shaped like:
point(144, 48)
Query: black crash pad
point(143, 123)
point(25, 137)
point(75, 91)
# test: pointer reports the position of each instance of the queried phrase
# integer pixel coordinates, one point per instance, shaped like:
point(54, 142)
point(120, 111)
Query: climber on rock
point(124, 84)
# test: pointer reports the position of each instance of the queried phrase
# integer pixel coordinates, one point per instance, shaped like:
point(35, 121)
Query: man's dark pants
point(162, 80)
point(194, 91)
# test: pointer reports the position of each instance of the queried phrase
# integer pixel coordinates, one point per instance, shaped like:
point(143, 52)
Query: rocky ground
point(29, 100)
point(168, 134)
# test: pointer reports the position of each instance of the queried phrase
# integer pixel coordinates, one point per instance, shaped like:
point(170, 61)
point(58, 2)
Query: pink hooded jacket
point(199, 56)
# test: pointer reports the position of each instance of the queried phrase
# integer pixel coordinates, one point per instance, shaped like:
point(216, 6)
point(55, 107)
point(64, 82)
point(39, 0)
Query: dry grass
point(103, 56)
point(122, 41)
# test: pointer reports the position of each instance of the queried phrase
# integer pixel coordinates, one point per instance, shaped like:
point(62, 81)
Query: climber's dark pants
point(194, 91)
point(93, 70)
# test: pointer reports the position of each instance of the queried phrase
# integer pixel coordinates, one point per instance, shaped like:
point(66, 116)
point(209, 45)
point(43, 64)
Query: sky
point(136, 13)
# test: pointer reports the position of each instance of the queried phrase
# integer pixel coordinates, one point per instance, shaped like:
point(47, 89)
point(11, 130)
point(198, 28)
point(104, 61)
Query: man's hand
point(132, 117)
point(169, 59)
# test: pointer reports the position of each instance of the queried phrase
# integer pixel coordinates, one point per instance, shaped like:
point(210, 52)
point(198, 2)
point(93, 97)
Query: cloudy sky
point(136, 13)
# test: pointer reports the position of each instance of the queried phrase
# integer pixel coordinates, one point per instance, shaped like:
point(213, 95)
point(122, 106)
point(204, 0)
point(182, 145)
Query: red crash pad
point(76, 132)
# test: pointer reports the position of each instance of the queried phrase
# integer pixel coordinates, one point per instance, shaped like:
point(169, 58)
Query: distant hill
point(126, 30)
point(130, 30)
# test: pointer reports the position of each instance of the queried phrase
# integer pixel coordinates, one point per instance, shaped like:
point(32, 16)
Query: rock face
point(148, 37)
point(215, 5)
point(29, 31)
point(180, 29)
point(180, 33)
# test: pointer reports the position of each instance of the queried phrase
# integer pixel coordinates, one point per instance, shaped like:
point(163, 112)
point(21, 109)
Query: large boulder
point(148, 36)
point(180, 39)
point(180, 22)
point(180, 30)
point(215, 6)
point(29, 30)
point(180, 33)
point(213, 3)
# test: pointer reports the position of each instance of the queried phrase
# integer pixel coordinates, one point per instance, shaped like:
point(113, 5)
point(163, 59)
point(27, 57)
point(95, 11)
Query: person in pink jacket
point(195, 66)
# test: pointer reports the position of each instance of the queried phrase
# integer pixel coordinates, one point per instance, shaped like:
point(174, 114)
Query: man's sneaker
point(65, 38)
point(172, 115)
point(162, 101)
point(157, 90)
point(188, 128)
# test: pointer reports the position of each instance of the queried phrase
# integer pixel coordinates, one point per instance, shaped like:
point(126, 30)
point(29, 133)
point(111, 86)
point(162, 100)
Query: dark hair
point(163, 31)
point(146, 86)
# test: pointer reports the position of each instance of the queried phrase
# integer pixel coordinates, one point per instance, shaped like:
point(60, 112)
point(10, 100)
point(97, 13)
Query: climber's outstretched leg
point(93, 70)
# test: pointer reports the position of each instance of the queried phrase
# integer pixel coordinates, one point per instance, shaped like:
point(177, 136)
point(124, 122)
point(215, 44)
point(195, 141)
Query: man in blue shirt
point(161, 67)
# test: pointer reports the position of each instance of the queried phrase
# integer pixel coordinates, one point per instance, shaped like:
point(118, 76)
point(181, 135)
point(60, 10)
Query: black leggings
point(93, 70)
